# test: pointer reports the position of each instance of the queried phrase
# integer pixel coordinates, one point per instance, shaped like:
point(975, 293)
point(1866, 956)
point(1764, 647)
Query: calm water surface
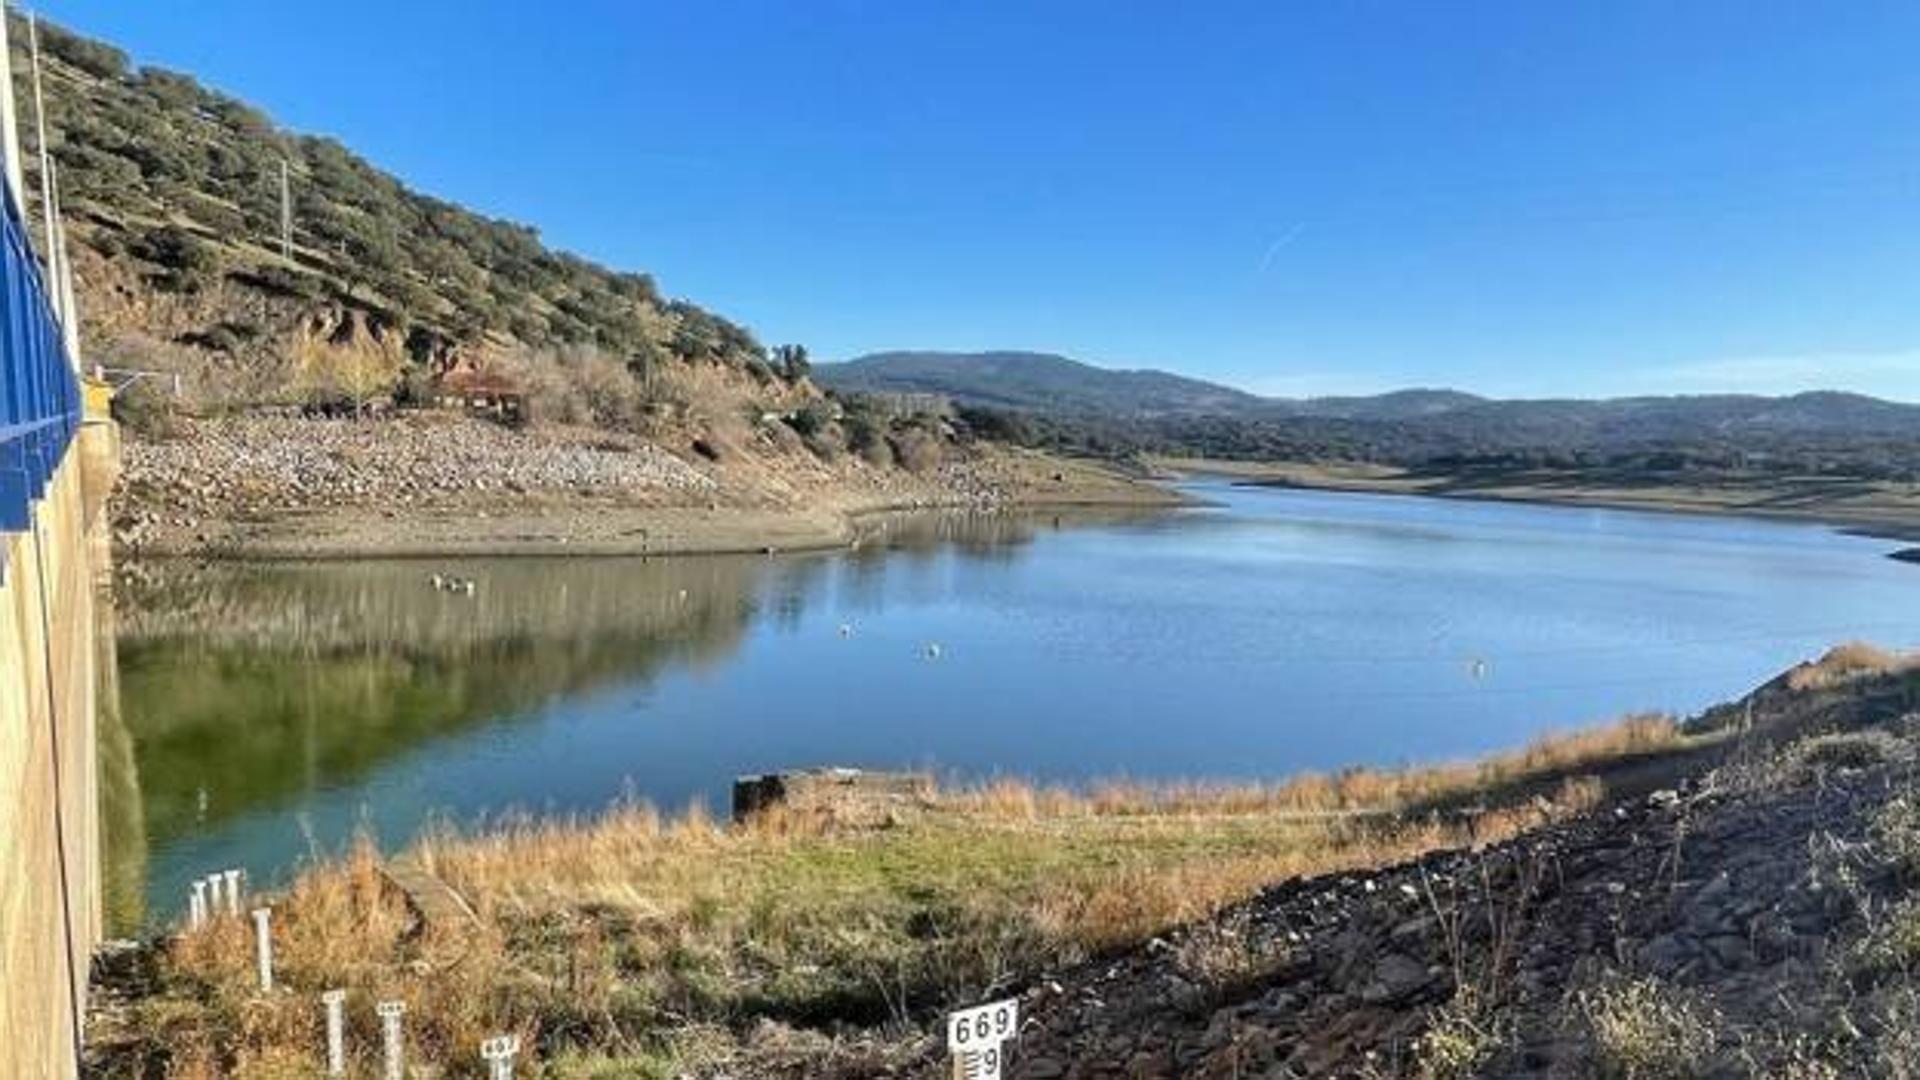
point(268, 710)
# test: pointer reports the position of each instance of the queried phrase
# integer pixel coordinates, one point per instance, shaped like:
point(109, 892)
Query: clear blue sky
point(1521, 198)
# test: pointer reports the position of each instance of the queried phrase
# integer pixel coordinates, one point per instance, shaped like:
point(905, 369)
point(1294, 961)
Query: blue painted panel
point(39, 395)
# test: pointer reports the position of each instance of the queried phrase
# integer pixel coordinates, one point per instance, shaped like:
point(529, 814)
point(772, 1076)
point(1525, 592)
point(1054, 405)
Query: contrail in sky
point(1279, 242)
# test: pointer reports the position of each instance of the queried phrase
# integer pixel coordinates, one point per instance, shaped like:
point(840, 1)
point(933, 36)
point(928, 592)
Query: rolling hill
point(1438, 421)
point(1033, 381)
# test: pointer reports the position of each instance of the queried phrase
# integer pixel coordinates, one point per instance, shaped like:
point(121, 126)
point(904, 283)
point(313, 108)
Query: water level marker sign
point(499, 1052)
point(390, 1015)
point(336, 1003)
point(978, 1037)
point(263, 945)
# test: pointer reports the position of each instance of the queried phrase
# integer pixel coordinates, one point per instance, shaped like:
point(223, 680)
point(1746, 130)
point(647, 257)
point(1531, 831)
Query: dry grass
point(1844, 750)
point(1896, 835)
point(1846, 662)
point(1460, 1037)
point(1645, 1029)
point(611, 938)
point(1349, 791)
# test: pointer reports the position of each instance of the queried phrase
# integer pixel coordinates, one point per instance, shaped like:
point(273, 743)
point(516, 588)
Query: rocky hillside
point(173, 194)
point(1754, 912)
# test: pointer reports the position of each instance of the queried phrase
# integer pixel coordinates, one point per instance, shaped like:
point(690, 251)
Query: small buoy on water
point(933, 650)
point(846, 629)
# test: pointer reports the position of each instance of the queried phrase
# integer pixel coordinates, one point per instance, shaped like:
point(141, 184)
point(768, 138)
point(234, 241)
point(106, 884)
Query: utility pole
point(59, 271)
point(9, 130)
point(286, 214)
point(46, 161)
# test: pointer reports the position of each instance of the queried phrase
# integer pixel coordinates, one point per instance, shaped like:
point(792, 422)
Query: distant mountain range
point(1037, 382)
point(1050, 385)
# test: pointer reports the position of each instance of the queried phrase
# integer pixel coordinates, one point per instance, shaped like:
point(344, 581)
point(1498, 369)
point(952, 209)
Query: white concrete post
point(499, 1053)
point(390, 1014)
point(263, 945)
point(197, 904)
point(233, 891)
point(336, 1003)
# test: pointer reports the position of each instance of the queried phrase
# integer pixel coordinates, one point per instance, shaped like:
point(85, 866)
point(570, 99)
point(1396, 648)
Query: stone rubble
point(1716, 883)
point(266, 463)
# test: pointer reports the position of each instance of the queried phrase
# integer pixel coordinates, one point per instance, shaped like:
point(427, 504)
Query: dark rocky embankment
point(1753, 917)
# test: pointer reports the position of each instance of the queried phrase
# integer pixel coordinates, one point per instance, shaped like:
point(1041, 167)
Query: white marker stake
point(499, 1054)
point(263, 945)
point(233, 891)
point(978, 1038)
point(197, 905)
point(336, 1002)
point(390, 1014)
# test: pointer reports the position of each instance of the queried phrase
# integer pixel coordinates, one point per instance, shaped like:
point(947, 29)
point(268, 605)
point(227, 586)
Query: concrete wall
point(50, 909)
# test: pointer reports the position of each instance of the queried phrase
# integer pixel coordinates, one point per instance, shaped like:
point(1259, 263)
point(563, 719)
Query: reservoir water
point(267, 711)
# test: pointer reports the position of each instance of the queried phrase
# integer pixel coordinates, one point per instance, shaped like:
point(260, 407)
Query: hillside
point(656, 425)
point(172, 193)
point(1040, 382)
point(1052, 401)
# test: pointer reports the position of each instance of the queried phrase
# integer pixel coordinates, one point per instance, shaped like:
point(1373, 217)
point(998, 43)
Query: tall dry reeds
point(1356, 791)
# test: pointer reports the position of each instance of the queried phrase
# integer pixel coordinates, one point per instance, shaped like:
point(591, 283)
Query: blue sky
point(1517, 198)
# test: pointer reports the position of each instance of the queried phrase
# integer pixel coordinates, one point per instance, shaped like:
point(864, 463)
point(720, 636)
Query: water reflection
point(250, 685)
point(250, 688)
point(123, 831)
point(271, 708)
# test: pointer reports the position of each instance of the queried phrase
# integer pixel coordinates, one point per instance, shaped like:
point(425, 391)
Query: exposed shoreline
point(439, 487)
point(599, 531)
point(1882, 511)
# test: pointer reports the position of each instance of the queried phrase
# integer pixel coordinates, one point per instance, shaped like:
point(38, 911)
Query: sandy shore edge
point(1880, 511)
